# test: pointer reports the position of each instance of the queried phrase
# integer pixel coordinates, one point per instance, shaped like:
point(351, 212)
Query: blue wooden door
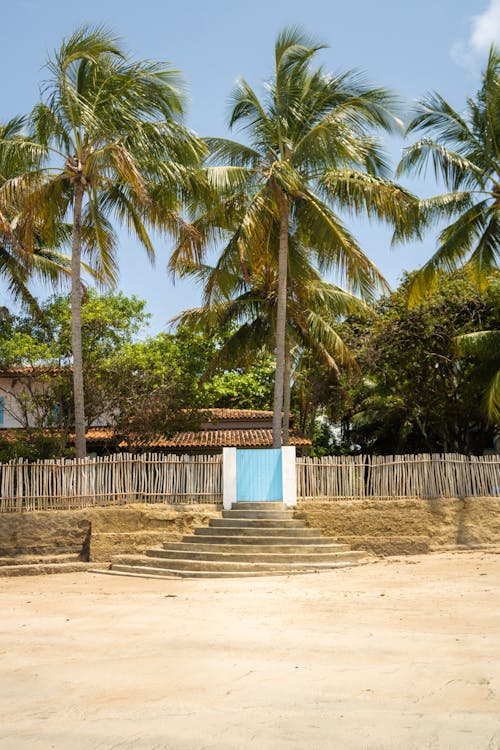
point(258, 475)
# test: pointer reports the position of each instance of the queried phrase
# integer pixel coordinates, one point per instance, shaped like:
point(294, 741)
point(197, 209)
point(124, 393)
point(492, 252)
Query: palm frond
point(226, 152)
point(335, 248)
point(455, 169)
point(492, 398)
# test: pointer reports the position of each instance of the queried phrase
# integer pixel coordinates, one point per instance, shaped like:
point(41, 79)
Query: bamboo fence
point(156, 478)
point(110, 480)
point(426, 476)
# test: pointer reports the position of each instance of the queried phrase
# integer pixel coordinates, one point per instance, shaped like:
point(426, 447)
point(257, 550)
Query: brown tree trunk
point(280, 318)
point(76, 324)
point(286, 395)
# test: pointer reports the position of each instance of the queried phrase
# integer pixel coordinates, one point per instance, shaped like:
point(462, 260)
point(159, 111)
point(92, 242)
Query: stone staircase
point(251, 539)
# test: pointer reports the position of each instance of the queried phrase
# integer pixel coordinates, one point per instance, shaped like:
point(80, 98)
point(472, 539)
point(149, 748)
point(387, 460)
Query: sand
point(403, 654)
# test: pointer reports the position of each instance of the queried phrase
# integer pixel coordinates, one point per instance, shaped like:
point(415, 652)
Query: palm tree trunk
point(286, 395)
point(76, 324)
point(280, 319)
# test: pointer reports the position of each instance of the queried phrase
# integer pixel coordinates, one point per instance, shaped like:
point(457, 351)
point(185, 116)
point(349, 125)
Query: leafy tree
point(415, 394)
point(149, 390)
point(163, 385)
point(310, 149)
point(42, 343)
point(464, 152)
point(249, 387)
point(110, 145)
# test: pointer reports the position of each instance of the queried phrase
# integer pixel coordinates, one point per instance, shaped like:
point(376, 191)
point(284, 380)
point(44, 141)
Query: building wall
point(11, 389)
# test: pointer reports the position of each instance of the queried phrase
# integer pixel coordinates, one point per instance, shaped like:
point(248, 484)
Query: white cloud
point(485, 29)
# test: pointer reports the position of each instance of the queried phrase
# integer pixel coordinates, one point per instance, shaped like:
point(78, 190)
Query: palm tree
point(464, 150)
point(111, 146)
point(309, 148)
point(246, 304)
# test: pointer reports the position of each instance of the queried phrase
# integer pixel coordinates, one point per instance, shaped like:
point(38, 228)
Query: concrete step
point(207, 566)
point(233, 523)
point(145, 572)
point(267, 505)
point(39, 559)
point(221, 537)
point(221, 565)
point(39, 569)
point(256, 531)
point(258, 514)
point(249, 548)
point(264, 556)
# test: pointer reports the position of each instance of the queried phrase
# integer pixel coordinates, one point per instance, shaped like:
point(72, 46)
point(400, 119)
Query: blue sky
point(411, 47)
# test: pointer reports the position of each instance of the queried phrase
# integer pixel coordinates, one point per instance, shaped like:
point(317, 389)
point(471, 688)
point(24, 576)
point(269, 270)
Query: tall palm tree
point(309, 148)
point(464, 151)
point(111, 146)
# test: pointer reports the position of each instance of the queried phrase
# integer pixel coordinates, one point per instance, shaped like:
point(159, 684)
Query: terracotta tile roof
point(205, 438)
point(97, 434)
point(226, 438)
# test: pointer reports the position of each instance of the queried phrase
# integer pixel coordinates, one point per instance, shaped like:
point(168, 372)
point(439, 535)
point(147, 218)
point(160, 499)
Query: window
point(56, 413)
point(2, 409)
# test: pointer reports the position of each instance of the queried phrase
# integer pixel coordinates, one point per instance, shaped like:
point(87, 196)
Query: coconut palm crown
point(23, 254)
point(309, 147)
point(111, 147)
point(464, 151)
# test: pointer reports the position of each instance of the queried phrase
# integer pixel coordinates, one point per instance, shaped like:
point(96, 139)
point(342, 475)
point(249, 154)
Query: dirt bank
point(384, 526)
point(406, 526)
point(98, 533)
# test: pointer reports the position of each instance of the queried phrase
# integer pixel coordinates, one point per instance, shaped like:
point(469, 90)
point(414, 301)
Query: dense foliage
point(416, 393)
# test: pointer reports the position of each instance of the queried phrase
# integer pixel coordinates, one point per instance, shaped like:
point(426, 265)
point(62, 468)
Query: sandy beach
point(401, 654)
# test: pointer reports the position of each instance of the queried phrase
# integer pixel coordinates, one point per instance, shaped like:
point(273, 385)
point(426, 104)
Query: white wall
point(13, 416)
